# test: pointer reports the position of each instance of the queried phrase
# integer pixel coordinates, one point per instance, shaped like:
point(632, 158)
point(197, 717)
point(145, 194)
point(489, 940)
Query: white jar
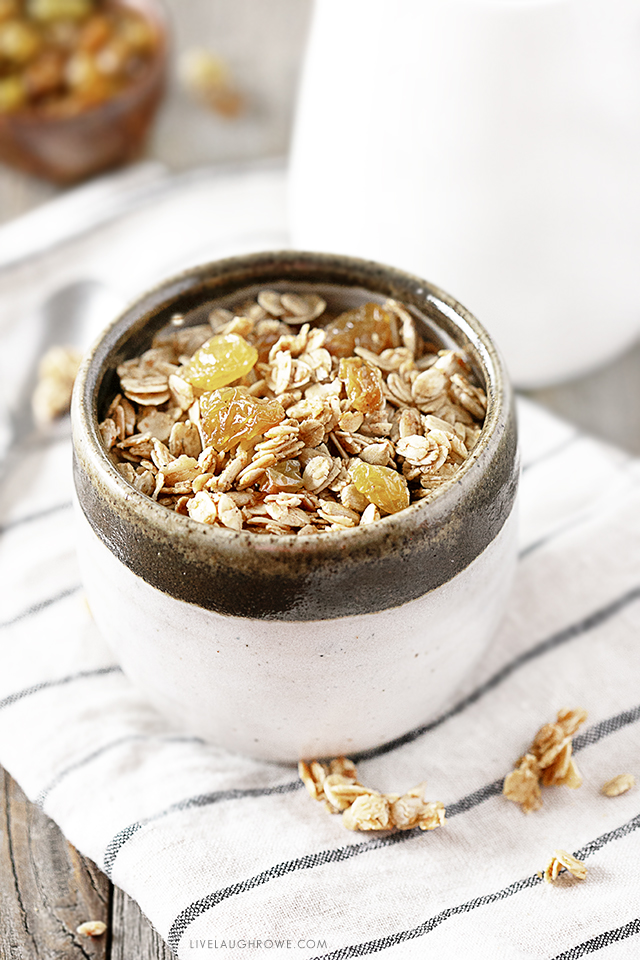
point(490, 145)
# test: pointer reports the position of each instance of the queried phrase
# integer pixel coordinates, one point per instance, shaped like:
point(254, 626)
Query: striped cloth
point(221, 850)
point(229, 857)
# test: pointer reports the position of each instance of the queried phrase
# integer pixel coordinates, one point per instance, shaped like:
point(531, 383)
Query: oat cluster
point(56, 374)
point(561, 860)
point(359, 431)
point(548, 762)
point(336, 784)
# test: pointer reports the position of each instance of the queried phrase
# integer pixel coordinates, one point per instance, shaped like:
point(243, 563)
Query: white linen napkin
point(229, 857)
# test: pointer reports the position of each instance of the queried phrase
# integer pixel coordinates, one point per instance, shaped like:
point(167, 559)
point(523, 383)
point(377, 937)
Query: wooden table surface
point(46, 887)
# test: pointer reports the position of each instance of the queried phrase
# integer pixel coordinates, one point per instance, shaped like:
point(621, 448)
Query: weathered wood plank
point(46, 888)
point(133, 935)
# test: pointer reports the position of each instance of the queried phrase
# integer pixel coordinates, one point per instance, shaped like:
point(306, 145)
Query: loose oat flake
point(563, 860)
point(92, 928)
point(618, 785)
point(548, 762)
point(336, 785)
point(304, 420)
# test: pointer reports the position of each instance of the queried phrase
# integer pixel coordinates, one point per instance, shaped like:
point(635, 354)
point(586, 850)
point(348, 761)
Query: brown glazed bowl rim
point(89, 446)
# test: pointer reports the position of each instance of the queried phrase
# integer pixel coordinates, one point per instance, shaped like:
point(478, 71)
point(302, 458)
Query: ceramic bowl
point(284, 647)
point(66, 149)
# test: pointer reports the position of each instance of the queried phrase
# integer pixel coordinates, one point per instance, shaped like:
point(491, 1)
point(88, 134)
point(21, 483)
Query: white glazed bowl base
point(282, 690)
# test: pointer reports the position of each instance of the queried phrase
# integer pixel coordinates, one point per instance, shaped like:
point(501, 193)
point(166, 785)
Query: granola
point(91, 928)
point(306, 421)
point(561, 860)
point(62, 57)
point(618, 785)
point(56, 375)
point(548, 762)
point(336, 784)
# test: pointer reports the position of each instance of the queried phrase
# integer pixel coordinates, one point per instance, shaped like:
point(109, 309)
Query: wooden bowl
point(65, 149)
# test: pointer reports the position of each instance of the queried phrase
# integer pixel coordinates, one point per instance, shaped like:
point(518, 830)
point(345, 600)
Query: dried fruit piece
point(208, 78)
point(283, 477)
point(363, 383)
point(295, 477)
point(221, 360)
point(232, 414)
point(368, 326)
point(380, 485)
point(267, 333)
point(47, 10)
point(13, 94)
point(19, 41)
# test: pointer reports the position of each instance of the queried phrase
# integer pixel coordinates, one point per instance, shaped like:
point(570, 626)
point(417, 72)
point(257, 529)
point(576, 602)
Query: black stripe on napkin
point(574, 630)
point(593, 620)
point(589, 514)
point(42, 605)
point(339, 854)
point(201, 800)
point(587, 739)
point(555, 451)
point(605, 939)
point(558, 532)
point(605, 728)
point(60, 682)
point(79, 764)
point(383, 943)
point(32, 517)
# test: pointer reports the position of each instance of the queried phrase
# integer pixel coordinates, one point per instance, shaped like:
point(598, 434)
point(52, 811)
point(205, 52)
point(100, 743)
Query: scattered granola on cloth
point(278, 418)
point(548, 762)
point(561, 860)
point(363, 809)
point(56, 375)
point(618, 785)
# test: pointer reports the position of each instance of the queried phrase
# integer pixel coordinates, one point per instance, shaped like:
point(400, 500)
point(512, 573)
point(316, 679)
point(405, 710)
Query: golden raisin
point(232, 414)
point(285, 477)
point(47, 10)
point(19, 41)
point(95, 33)
point(367, 326)
point(264, 341)
point(363, 383)
point(221, 360)
point(45, 74)
point(381, 485)
point(13, 94)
